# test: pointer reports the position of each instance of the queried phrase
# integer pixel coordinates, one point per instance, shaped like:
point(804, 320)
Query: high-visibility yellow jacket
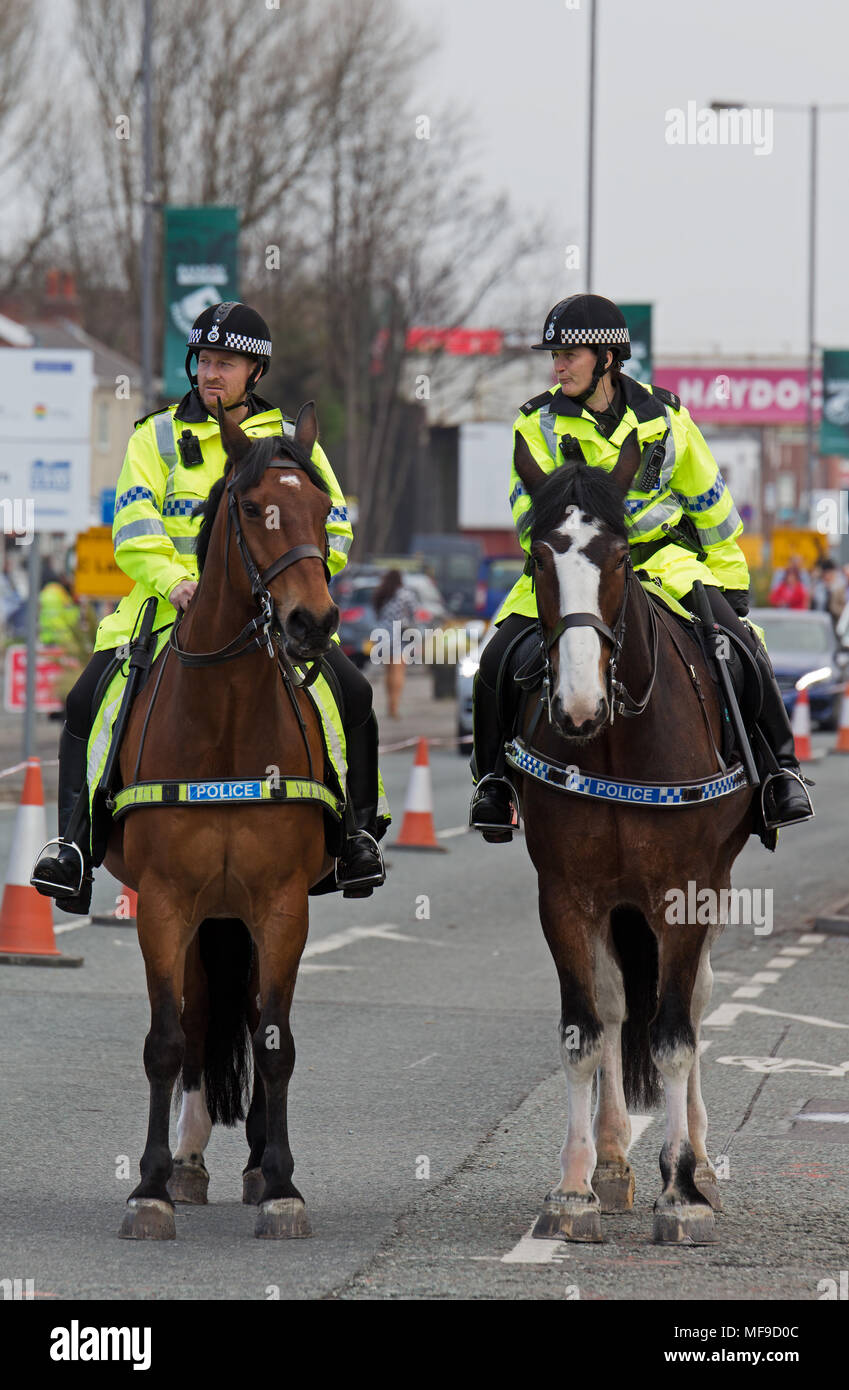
point(690, 484)
point(154, 532)
point(58, 616)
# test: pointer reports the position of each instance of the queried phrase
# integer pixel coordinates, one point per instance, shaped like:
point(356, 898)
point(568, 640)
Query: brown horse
point(222, 890)
point(634, 981)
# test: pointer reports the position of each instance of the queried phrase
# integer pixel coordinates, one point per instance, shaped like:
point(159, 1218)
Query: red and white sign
point(743, 395)
point(48, 667)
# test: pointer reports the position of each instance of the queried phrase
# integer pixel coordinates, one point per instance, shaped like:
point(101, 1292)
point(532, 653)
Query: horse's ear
point(529, 471)
point(625, 468)
point(235, 441)
point(306, 427)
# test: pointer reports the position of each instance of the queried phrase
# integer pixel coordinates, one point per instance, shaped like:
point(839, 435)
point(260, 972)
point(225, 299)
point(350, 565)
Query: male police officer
point(678, 507)
point(172, 461)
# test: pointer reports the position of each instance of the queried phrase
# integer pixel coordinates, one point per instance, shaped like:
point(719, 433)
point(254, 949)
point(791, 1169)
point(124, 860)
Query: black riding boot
point(494, 809)
point(64, 870)
point(360, 868)
point(786, 801)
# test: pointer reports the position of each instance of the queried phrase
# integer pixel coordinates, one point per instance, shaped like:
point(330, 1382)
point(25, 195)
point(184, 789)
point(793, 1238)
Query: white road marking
point(796, 1065)
point(307, 969)
point(420, 1063)
point(536, 1252)
point(703, 1046)
point(451, 831)
point(529, 1251)
point(748, 992)
point(724, 1015)
point(811, 938)
point(765, 977)
point(779, 963)
point(825, 1117)
point(387, 931)
point(796, 951)
point(72, 926)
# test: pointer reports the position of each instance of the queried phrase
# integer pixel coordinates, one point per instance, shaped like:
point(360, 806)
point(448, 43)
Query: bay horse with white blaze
point(222, 890)
point(634, 985)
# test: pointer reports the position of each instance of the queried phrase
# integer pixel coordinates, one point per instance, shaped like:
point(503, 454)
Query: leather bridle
point(264, 629)
point(619, 699)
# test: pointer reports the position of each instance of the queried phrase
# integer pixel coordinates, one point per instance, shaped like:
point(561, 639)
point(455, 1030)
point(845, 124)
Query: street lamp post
point(813, 111)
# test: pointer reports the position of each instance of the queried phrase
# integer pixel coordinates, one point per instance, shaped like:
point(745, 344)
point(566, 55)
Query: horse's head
point(281, 503)
point(579, 554)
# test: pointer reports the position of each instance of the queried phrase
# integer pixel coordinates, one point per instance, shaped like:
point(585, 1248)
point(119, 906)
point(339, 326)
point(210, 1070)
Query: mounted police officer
point(172, 461)
point(678, 509)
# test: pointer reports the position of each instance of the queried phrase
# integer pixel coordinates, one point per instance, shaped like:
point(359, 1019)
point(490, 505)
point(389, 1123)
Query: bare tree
point(411, 238)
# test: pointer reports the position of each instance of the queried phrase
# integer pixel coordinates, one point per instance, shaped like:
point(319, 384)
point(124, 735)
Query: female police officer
point(588, 415)
point(172, 461)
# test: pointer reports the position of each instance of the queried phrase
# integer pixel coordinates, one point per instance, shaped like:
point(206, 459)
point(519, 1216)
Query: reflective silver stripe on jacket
point(340, 543)
point(164, 426)
point(653, 517)
point(549, 434)
point(147, 527)
point(712, 535)
point(184, 545)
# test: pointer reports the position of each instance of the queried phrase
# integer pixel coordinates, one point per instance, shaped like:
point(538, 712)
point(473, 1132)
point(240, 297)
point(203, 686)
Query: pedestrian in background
point(791, 592)
point(394, 603)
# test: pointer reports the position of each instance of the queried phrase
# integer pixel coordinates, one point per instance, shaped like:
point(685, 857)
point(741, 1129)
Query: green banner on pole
point(834, 430)
point(638, 319)
point(200, 269)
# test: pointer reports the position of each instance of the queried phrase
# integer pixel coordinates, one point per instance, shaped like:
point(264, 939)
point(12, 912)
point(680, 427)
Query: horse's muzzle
point(583, 732)
point(307, 636)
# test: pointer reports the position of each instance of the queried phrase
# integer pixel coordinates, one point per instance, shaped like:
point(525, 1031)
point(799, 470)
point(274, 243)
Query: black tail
point(636, 945)
point(226, 952)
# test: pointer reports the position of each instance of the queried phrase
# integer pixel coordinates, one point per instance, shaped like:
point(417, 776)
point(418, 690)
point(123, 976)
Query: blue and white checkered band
point(195, 335)
point(258, 347)
point(610, 336)
point(564, 779)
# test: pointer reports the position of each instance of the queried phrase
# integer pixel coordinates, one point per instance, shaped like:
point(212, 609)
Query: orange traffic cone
point(842, 744)
point(125, 912)
point(417, 829)
point(26, 918)
point(802, 728)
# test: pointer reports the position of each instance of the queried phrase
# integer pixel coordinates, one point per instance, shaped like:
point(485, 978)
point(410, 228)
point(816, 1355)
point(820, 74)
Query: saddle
point(523, 668)
point(110, 714)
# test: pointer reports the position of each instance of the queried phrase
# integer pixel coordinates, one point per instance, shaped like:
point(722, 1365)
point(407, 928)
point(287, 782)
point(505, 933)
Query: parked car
point(467, 669)
point(496, 576)
point(352, 591)
point(806, 653)
point(453, 561)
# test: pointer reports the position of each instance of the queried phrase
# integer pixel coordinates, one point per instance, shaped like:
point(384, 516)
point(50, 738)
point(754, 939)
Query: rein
point(262, 630)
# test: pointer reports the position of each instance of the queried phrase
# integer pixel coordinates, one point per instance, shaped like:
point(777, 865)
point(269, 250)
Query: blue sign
point(107, 506)
point(51, 477)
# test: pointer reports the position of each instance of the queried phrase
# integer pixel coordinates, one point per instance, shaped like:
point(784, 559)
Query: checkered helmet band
point(612, 337)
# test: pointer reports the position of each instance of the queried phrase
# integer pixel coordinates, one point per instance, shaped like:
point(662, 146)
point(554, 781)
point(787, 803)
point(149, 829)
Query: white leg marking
point(194, 1125)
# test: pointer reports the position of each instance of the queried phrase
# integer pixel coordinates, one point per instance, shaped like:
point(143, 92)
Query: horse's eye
point(250, 509)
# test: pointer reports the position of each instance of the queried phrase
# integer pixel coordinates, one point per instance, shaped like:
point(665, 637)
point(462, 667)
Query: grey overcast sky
point(715, 236)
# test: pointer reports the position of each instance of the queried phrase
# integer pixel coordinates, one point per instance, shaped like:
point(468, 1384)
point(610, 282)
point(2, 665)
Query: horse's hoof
point(284, 1218)
point(188, 1182)
point(148, 1218)
point(569, 1218)
point(684, 1225)
point(253, 1186)
point(706, 1182)
point(613, 1184)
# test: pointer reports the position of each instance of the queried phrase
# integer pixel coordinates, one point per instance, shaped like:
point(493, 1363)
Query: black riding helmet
point(587, 320)
point(231, 327)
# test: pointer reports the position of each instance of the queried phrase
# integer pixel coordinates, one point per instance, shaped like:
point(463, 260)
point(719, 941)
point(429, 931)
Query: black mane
point(590, 489)
point(260, 456)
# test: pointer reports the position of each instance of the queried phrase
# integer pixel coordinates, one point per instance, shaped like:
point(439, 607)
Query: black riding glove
point(739, 600)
